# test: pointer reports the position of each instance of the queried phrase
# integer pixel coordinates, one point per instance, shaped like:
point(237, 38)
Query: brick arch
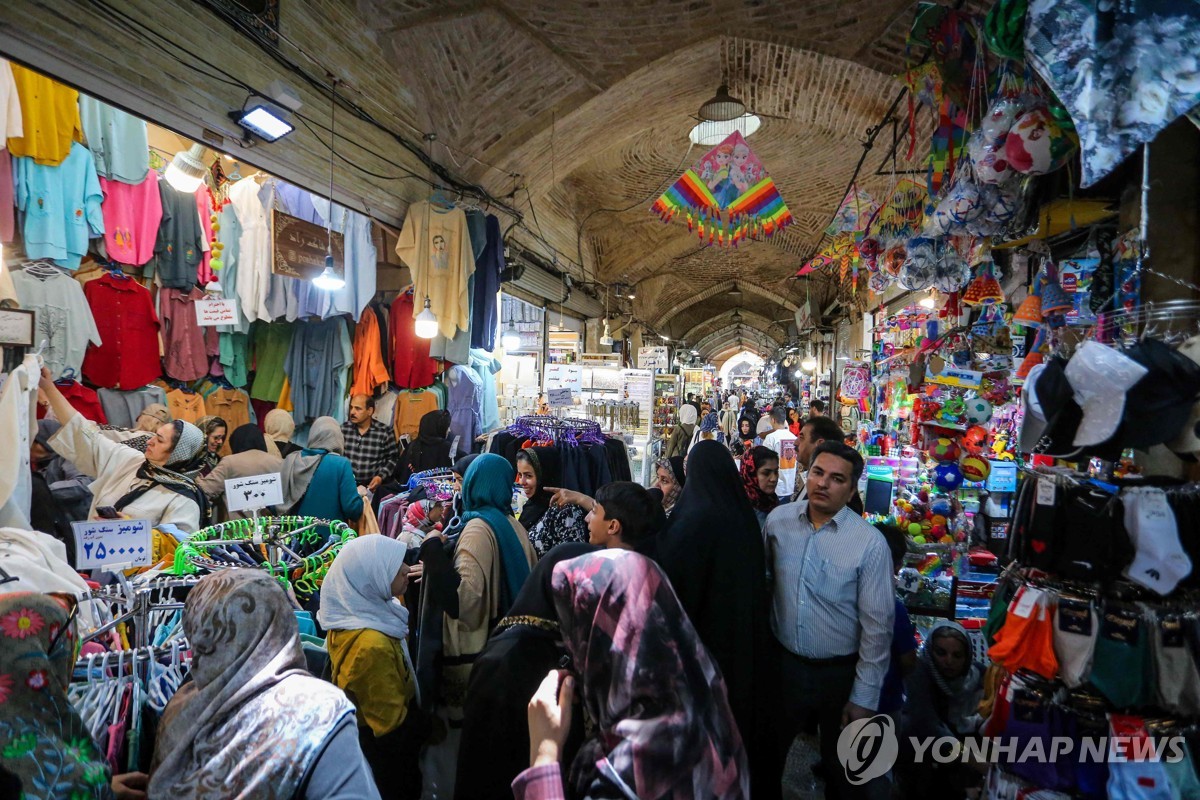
point(730, 333)
point(718, 288)
point(750, 319)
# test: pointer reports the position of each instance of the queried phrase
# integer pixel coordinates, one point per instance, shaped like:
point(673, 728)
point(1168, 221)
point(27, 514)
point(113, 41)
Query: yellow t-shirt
point(50, 112)
point(436, 247)
point(410, 407)
point(369, 667)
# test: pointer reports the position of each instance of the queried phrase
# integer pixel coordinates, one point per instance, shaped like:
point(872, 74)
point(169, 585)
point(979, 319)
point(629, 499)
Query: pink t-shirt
point(204, 271)
point(132, 214)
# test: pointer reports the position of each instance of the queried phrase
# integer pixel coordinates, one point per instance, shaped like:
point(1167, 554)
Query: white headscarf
point(688, 414)
point(357, 592)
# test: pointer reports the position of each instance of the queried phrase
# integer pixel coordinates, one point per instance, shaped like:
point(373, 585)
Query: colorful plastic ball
point(919, 539)
point(938, 519)
point(941, 507)
point(937, 530)
point(975, 468)
point(978, 410)
point(946, 540)
point(948, 476)
point(944, 450)
point(914, 529)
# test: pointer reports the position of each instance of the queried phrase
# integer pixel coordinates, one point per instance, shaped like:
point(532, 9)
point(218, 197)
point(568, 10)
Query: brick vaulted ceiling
point(584, 106)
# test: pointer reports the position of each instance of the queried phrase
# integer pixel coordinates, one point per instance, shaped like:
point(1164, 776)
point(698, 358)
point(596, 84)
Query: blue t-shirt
point(891, 697)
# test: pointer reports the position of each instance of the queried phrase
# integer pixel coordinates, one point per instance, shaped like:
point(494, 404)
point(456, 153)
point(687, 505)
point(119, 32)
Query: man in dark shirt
point(370, 445)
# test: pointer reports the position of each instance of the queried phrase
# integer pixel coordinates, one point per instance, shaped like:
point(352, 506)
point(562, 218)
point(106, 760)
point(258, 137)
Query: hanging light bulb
point(809, 363)
point(186, 171)
point(928, 301)
point(330, 281)
point(427, 322)
point(511, 338)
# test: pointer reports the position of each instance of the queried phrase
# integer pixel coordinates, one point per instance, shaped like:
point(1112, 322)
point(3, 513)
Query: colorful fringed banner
point(727, 197)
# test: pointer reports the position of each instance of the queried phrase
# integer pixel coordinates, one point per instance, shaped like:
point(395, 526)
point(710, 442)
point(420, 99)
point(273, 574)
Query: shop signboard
point(112, 542)
point(16, 327)
point(565, 376)
point(254, 492)
point(653, 358)
point(298, 247)
point(216, 312)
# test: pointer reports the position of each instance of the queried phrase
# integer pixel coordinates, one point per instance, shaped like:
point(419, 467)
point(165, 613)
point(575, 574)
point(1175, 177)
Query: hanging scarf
point(252, 721)
point(45, 743)
point(762, 501)
point(487, 496)
point(657, 697)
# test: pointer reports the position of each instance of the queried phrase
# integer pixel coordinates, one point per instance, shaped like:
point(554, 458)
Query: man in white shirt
point(781, 440)
point(832, 609)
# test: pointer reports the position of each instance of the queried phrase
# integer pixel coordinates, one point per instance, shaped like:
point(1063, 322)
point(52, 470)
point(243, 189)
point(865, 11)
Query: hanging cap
point(1188, 440)
point(1033, 420)
point(1062, 413)
point(1100, 378)
point(1161, 403)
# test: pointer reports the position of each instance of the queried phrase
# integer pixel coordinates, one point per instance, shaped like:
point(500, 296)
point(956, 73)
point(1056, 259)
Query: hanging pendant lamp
point(1029, 313)
point(984, 290)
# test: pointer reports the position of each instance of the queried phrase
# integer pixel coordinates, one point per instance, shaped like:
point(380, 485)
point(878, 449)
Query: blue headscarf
point(487, 495)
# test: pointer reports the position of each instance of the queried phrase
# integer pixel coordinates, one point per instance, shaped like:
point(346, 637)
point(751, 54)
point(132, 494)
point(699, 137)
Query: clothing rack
point(139, 602)
point(567, 430)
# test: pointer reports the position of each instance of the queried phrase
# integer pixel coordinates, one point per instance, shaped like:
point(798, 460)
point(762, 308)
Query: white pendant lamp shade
point(511, 338)
point(328, 280)
point(186, 171)
point(710, 133)
point(427, 322)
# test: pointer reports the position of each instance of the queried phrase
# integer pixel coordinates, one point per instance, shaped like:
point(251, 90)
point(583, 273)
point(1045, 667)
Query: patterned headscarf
point(250, 693)
point(657, 697)
point(762, 501)
point(673, 465)
point(44, 739)
point(188, 441)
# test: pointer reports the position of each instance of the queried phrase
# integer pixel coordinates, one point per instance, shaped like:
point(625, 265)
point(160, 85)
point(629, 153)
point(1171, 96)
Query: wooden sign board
point(298, 247)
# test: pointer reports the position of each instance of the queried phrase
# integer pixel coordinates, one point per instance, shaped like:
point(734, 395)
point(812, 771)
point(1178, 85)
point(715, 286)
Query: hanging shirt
point(128, 327)
point(409, 408)
point(235, 357)
point(132, 216)
point(187, 406)
point(464, 404)
point(412, 366)
point(271, 344)
point(254, 250)
point(10, 105)
point(83, 400)
point(179, 248)
point(117, 140)
point(18, 427)
point(208, 217)
point(488, 267)
point(124, 408)
point(360, 261)
point(49, 118)
point(312, 365)
point(184, 351)
point(436, 246)
point(486, 368)
point(8, 199)
point(370, 371)
point(61, 206)
point(63, 318)
point(229, 235)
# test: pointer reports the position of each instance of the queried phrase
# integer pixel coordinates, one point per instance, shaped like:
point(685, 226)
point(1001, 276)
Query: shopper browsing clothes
point(130, 484)
point(249, 458)
point(370, 445)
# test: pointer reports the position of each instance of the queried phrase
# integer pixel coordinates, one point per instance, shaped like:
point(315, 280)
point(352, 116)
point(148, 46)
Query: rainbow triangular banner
point(726, 197)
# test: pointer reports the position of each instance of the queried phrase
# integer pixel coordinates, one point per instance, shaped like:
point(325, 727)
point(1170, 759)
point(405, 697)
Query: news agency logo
point(868, 748)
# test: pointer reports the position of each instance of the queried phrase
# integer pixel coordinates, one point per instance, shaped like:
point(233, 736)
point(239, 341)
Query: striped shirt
point(832, 592)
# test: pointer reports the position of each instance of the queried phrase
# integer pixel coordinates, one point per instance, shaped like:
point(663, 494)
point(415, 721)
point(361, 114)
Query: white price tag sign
point(112, 541)
point(256, 491)
point(1045, 492)
point(216, 312)
point(559, 398)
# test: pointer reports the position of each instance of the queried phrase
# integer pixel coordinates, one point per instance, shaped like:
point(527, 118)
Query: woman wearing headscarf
point(422, 518)
point(663, 726)
point(67, 485)
point(252, 722)
point(431, 450)
point(128, 483)
point(249, 457)
point(760, 475)
point(279, 427)
point(525, 645)
point(669, 479)
point(707, 430)
point(547, 524)
point(318, 481)
point(492, 558)
point(729, 418)
point(205, 461)
point(681, 437)
point(942, 696)
point(712, 550)
point(367, 637)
